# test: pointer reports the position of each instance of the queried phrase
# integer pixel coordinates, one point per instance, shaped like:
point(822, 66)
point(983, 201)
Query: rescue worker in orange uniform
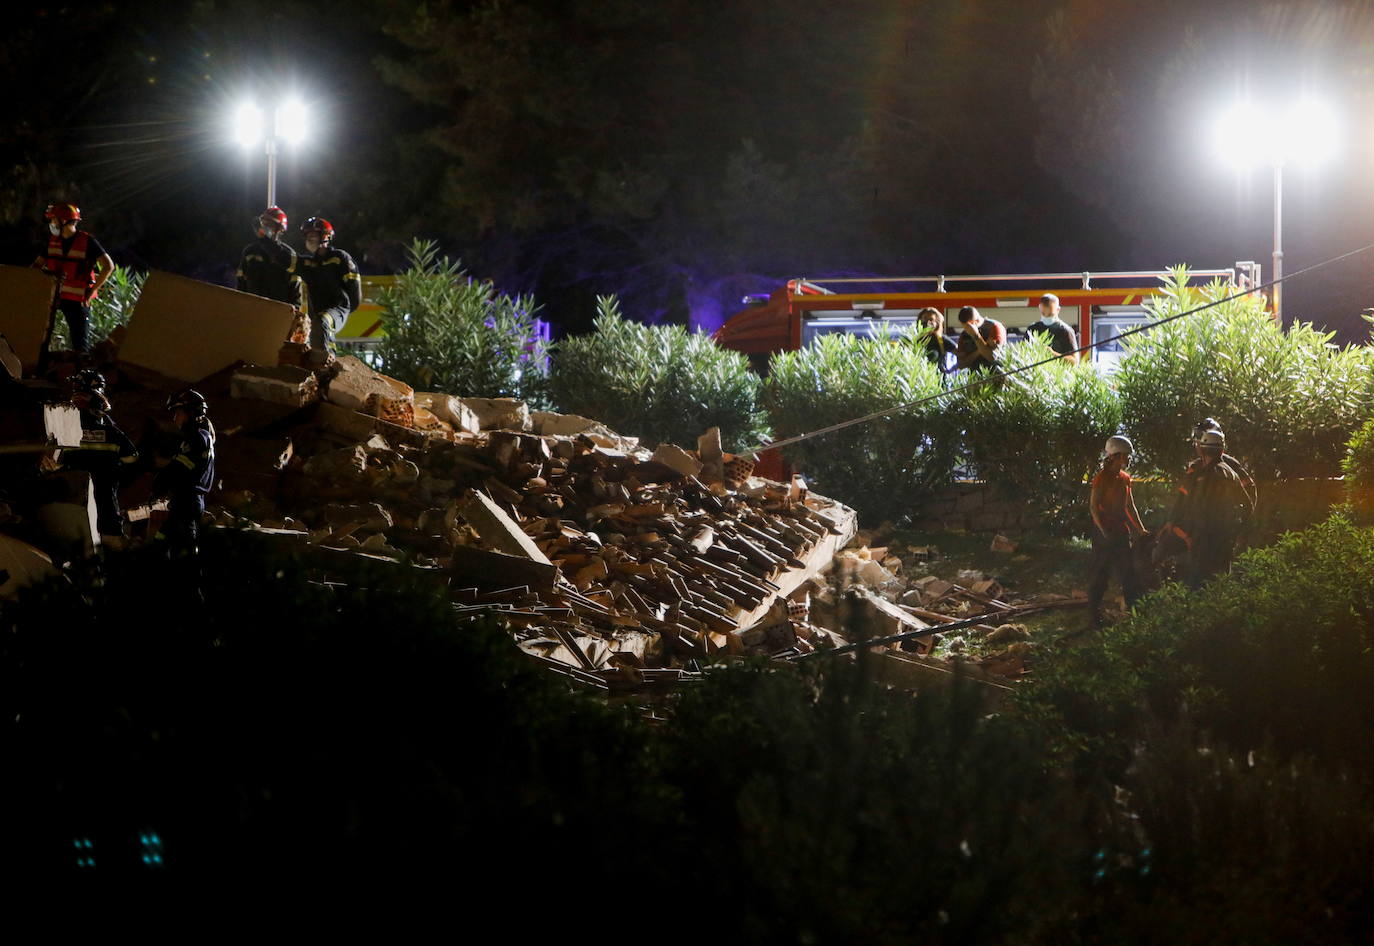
point(1115, 520)
point(81, 266)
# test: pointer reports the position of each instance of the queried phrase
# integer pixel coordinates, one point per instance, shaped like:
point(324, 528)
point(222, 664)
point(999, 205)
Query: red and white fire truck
point(1098, 305)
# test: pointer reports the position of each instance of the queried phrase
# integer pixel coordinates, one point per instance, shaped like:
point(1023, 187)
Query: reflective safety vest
point(77, 272)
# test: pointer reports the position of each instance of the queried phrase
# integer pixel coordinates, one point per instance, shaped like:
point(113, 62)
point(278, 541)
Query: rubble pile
point(615, 564)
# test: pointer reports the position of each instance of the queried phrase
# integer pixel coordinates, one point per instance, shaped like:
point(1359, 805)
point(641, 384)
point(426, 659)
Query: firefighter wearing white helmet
point(1115, 521)
point(1247, 482)
point(1210, 509)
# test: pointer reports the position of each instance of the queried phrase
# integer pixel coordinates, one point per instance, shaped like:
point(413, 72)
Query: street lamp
point(1302, 133)
point(288, 125)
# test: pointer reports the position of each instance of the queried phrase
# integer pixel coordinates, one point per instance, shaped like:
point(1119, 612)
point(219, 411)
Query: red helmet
point(273, 218)
point(321, 226)
point(63, 213)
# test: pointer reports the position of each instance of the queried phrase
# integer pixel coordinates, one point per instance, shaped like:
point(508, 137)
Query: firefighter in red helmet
point(267, 266)
point(331, 282)
point(81, 266)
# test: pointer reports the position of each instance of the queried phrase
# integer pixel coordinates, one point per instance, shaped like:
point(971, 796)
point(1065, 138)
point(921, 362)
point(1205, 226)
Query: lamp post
point(1303, 133)
point(288, 126)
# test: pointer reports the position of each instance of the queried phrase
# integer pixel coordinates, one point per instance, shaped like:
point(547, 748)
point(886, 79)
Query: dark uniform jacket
point(331, 280)
point(104, 447)
point(192, 471)
point(267, 268)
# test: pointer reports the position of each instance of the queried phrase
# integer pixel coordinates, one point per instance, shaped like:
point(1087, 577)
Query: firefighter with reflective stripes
point(106, 452)
point(1209, 511)
point(81, 266)
point(186, 479)
point(267, 266)
point(332, 284)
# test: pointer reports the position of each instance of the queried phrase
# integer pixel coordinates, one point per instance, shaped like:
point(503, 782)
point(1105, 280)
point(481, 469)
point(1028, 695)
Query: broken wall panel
point(187, 329)
point(25, 304)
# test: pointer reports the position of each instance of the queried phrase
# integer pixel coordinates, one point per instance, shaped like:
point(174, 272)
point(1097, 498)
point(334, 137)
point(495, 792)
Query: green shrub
point(113, 307)
point(1358, 465)
point(1287, 400)
point(445, 331)
point(1038, 434)
point(883, 467)
point(1278, 652)
point(659, 383)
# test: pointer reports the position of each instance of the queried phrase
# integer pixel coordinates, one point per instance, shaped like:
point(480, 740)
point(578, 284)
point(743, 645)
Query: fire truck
point(1098, 305)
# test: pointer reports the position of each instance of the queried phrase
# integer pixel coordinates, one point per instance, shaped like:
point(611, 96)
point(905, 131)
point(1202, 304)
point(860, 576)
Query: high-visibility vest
point(78, 273)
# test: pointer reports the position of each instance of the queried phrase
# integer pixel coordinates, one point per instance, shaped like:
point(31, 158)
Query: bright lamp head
point(291, 121)
point(1310, 133)
point(247, 125)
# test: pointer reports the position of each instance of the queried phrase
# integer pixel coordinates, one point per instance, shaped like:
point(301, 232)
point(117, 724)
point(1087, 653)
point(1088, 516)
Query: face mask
point(54, 229)
point(1046, 319)
point(312, 243)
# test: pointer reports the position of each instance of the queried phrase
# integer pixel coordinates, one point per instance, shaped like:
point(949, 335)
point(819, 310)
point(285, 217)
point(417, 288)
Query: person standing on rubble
point(332, 286)
point(1115, 521)
point(1208, 511)
point(1061, 336)
point(106, 452)
point(981, 341)
point(186, 479)
point(81, 266)
point(267, 266)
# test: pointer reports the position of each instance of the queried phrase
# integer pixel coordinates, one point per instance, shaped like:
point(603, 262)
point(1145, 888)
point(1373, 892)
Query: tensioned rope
point(990, 377)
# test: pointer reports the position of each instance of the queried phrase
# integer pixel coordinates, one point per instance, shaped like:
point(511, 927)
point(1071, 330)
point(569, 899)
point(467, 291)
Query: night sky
point(681, 154)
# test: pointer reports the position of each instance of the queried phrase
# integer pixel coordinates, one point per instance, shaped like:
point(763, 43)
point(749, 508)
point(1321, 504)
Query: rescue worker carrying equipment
point(106, 452)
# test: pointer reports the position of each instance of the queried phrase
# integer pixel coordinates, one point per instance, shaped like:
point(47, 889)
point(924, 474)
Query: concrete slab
point(187, 329)
point(25, 301)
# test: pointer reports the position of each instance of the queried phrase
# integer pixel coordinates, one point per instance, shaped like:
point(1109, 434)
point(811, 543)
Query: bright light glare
point(248, 125)
point(1305, 133)
point(291, 121)
point(1239, 137)
point(1312, 133)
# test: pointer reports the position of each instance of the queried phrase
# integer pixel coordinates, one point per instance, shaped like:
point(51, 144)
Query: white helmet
point(1211, 438)
point(1119, 444)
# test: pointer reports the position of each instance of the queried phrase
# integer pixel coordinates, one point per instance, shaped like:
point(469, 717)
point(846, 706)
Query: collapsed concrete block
point(284, 384)
point(366, 515)
point(486, 568)
point(677, 459)
point(25, 307)
point(450, 410)
point(549, 424)
point(499, 530)
point(499, 413)
point(394, 410)
point(70, 520)
point(346, 463)
point(9, 361)
point(187, 329)
point(354, 381)
point(21, 565)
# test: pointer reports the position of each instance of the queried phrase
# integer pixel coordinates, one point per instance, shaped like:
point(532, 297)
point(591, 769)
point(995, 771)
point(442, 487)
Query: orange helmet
point(63, 213)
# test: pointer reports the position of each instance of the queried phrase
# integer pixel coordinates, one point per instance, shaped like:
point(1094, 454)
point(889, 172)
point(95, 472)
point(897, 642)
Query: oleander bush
point(445, 331)
point(1038, 433)
point(1288, 400)
point(110, 309)
point(657, 382)
point(883, 467)
point(1358, 467)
